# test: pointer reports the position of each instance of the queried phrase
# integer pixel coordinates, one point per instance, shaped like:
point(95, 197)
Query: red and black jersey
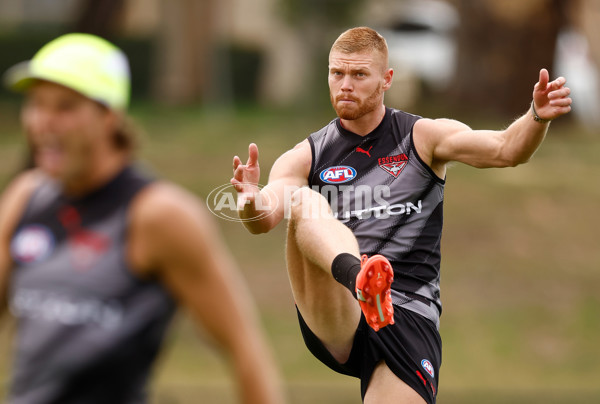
point(88, 329)
point(379, 187)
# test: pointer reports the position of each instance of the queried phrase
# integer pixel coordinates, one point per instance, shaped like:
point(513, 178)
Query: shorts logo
point(428, 367)
point(393, 164)
point(32, 244)
point(337, 174)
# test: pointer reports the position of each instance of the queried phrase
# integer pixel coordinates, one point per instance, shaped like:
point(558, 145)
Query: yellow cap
point(85, 63)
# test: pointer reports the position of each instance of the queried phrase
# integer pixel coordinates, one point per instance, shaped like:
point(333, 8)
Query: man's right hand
point(246, 176)
point(261, 209)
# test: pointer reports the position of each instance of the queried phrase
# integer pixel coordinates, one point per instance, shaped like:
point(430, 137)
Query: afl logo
point(32, 243)
point(337, 174)
point(428, 367)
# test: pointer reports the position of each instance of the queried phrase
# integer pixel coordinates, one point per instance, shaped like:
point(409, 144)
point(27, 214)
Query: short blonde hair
point(361, 39)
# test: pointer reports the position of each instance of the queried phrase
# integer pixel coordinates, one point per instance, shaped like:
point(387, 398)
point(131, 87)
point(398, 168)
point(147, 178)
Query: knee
point(307, 203)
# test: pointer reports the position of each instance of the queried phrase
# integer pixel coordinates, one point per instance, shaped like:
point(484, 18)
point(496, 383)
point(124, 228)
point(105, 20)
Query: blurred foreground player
point(95, 255)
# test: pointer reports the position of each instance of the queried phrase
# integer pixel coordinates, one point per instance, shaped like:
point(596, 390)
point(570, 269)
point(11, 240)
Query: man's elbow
point(518, 160)
point(505, 159)
point(257, 227)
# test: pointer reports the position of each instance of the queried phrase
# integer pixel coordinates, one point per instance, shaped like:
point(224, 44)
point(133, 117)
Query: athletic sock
point(345, 268)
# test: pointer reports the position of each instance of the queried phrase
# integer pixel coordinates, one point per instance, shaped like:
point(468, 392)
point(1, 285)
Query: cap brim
point(19, 77)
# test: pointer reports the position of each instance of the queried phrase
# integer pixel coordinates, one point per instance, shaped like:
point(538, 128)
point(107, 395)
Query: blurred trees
point(502, 45)
point(319, 23)
point(185, 42)
point(98, 17)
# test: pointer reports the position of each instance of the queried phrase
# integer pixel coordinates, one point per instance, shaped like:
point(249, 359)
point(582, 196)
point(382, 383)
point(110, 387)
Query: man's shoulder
point(162, 217)
point(163, 201)
point(15, 196)
point(163, 209)
point(21, 187)
point(331, 125)
point(403, 116)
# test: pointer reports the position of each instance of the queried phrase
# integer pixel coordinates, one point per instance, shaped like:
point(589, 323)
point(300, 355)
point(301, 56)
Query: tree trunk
point(502, 45)
point(98, 17)
point(184, 49)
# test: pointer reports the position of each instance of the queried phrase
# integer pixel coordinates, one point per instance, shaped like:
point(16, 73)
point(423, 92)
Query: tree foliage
point(336, 12)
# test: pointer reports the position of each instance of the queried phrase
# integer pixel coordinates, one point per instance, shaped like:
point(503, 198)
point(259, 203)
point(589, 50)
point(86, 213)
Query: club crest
point(393, 165)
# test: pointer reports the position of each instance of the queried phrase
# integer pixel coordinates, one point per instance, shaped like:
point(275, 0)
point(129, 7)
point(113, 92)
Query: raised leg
point(314, 239)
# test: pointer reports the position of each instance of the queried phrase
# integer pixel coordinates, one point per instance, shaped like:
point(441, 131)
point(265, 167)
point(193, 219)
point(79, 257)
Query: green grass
point(520, 270)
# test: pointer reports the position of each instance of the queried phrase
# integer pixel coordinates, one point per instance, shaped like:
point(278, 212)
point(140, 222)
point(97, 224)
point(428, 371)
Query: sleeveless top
point(379, 187)
point(88, 329)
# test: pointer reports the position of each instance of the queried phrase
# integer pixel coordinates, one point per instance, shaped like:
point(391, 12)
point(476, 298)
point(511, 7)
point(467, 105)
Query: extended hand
point(551, 99)
point(246, 176)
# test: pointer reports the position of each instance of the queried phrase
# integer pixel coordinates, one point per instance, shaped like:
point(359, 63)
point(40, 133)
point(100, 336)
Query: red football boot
point(373, 290)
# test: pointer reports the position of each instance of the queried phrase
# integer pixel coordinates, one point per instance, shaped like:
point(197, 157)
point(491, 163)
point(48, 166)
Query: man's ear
point(114, 119)
point(387, 79)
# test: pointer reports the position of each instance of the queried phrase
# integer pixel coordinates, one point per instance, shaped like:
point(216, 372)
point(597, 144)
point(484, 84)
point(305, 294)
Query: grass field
point(520, 269)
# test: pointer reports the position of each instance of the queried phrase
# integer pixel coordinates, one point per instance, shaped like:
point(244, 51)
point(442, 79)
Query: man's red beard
point(359, 108)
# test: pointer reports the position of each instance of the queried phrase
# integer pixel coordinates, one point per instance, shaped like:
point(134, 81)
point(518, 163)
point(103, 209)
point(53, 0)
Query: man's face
point(65, 130)
point(357, 82)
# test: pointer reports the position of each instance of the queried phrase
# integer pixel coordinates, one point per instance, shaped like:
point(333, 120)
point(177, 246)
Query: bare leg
point(314, 239)
point(385, 387)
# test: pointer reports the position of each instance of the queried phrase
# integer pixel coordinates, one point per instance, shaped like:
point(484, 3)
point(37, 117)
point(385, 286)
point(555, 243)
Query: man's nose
point(347, 84)
point(37, 121)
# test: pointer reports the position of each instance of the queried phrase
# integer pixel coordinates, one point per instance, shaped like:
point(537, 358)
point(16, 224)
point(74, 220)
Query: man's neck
point(101, 173)
point(365, 124)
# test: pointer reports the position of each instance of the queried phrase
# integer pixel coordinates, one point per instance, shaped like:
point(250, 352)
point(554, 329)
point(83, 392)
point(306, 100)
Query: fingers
point(239, 187)
point(252, 157)
point(252, 154)
point(236, 162)
point(542, 83)
point(558, 97)
point(245, 173)
point(562, 92)
point(561, 102)
point(558, 83)
point(238, 174)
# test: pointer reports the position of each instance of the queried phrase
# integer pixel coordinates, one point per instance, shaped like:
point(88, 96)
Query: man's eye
point(66, 106)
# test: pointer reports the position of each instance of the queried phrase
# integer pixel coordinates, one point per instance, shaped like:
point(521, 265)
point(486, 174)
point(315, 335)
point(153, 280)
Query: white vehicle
point(421, 40)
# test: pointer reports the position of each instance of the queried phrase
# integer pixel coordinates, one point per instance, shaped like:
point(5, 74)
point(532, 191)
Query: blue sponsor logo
point(33, 243)
point(337, 174)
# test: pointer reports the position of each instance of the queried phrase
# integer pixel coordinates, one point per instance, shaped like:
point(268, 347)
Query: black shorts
point(411, 348)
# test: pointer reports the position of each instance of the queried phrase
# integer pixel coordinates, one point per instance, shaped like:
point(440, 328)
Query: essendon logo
point(337, 174)
point(393, 164)
point(87, 247)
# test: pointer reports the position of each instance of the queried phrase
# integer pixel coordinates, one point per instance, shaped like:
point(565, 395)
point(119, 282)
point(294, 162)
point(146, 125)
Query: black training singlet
point(378, 186)
point(88, 328)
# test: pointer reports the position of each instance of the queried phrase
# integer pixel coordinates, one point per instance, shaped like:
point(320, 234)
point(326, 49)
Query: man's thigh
point(385, 387)
point(328, 308)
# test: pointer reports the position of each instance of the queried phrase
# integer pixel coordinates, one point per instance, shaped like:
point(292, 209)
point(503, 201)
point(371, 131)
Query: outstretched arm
point(444, 140)
point(174, 236)
point(262, 209)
